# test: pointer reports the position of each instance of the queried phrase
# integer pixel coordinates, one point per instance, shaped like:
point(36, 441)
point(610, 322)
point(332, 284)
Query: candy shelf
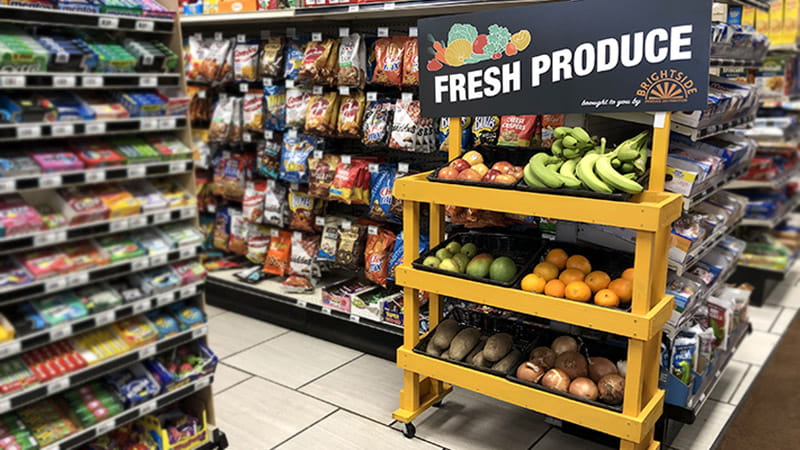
point(95, 81)
point(40, 391)
point(21, 14)
point(58, 130)
point(87, 434)
point(737, 63)
point(102, 318)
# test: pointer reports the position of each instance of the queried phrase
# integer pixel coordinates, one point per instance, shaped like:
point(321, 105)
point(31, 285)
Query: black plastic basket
point(518, 156)
point(588, 347)
point(523, 250)
point(614, 196)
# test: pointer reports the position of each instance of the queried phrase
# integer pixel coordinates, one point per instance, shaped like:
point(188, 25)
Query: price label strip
point(11, 348)
point(104, 318)
point(95, 128)
point(8, 186)
point(57, 385)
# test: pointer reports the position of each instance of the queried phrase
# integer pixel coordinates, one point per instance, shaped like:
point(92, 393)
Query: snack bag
point(216, 65)
point(304, 250)
point(294, 157)
point(296, 106)
point(410, 62)
point(330, 240)
point(404, 125)
point(444, 133)
point(376, 256)
point(237, 122)
point(321, 174)
point(225, 74)
point(253, 202)
point(275, 205)
point(549, 123)
point(485, 130)
point(349, 182)
point(377, 123)
point(350, 251)
point(303, 212)
point(258, 238)
point(272, 52)
point(383, 205)
point(279, 254)
point(195, 57)
point(352, 61)
point(388, 61)
point(222, 227)
point(351, 114)
point(268, 156)
point(238, 233)
point(517, 131)
point(295, 52)
point(315, 59)
point(322, 113)
point(235, 175)
point(253, 111)
point(245, 61)
point(274, 108)
point(221, 120)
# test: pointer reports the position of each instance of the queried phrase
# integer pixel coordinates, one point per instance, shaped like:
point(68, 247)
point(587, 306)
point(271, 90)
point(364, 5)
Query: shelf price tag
point(55, 285)
point(317, 90)
point(199, 331)
point(274, 232)
point(57, 385)
point(218, 36)
point(318, 154)
point(352, 8)
point(346, 159)
point(5, 405)
point(106, 426)
point(136, 171)
point(177, 167)
point(118, 225)
point(243, 87)
point(316, 36)
point(268, 134)
point(289, 84)
point(326, 310)
point(291, 32)
point(187, 213)
point(43, 239)
point(187, 291)
point(10, 81)
point(346, 224)
point(374, 167)
point(29, 131)
point(372, 229)
point(108, 22)
point(140, 264)
point(292, 133)
point(355, 318)
point(147, 352)
point(344, 90)
point(202, 384)
point(77, 278)
point(167, 122)
point(148, 124)
point(11, 348)
point(92, 81)
point(372, 96)
point(137, 222)
point(8, 186)
point(302, 303)
point(64, 81)
point(319, 221)
point(241, 38)
point(147, 408)
point(187, 252)
point(383, 31)
point(267, 81)
point(246, 137)
point(344, 32)
point(407, 97)
point(158, 260)
point(50, 180)
point(164, 300)
point(60, 332)
point(402, 167)
point(95, 128)
point(162, 217)
point(413, 31)
point(145, 25)
point(66, 129)
point(141, 306)
point(104, 318)
point(95, 176)
point(389, 6)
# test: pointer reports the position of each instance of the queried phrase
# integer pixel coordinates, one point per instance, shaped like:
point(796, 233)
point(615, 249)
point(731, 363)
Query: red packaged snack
point(97, 154)
point(253, 202)
point(46, 263)
point(351, 115)
point(517, 131)
point(303, 212)
point(351, 183)
point(376, 255)
point(279, 254)
point(321, 174)
point(304, 251)
point(315, 61)
point(79, 205)
point(388, 61)
point(410, 62)
point(322, 113)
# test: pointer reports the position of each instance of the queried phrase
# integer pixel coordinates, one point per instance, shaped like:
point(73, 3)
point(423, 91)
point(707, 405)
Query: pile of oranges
point(571, 277)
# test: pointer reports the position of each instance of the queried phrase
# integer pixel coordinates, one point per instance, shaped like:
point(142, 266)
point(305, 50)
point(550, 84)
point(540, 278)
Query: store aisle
point(276, 388)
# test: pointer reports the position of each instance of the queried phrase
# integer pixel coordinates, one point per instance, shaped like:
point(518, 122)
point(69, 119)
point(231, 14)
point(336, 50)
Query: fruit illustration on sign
point(465, 46)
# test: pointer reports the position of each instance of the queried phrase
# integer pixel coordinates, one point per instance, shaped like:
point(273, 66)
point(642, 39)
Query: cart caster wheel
point(410, 431)
point(437, 404)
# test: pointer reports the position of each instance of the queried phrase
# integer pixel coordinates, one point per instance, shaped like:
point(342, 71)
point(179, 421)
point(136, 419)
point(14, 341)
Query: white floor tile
point(230, 333)
point(556, 439)
point(343, 430)
point(368, 386)
point(212, 311)
point(292, 359)
point(469, 420)
point(782, 322)
point(744, 386)
point(258, 414)
point(226, 376)
point(787, 293)
point(702, 434)
point(730, 381)
point(756, 348)
point(762, 317)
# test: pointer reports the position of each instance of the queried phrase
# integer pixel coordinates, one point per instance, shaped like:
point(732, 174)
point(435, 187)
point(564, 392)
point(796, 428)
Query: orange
point(579, 291)
point(554, 288)
point(546, 270)
point(597, 280)
point(579, 262)
point(628, 274)
point(606, 297)
point(533, 283)
point(623, 288)
point(571, 275)
point(557, 257)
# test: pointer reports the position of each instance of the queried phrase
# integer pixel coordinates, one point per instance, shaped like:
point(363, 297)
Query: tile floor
point(277, 388)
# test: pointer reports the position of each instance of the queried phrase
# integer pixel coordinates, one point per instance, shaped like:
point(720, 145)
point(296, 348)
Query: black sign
point(578, 56)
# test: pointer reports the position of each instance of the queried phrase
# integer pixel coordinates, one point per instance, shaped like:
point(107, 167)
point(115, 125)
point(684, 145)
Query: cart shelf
point(648, 211)
point(582, 314)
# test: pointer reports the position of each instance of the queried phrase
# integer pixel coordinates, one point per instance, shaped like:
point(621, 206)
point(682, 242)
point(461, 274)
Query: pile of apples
point(470, 167)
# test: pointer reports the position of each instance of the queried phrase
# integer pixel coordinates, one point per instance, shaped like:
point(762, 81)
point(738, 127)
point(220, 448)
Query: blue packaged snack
point(444, 133)
point(61, 307)
point(383, 205)
point(268, 157)
point(294, 157)
point(187, 315)
point(165, 324)
point(295, 50)
point(159, 280)
point(134, 384)
point(397, 254)
point(274, 108)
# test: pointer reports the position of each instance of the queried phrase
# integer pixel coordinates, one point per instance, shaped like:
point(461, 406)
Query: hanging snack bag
point(258, 237)
point(295, 50)
point(303, 212)
point(404, 125)
point(388, 61)
point(315, 60)
point(485, 130)
point(410, 62)
point(234, 176)
point(350, 252)
point(329, 73)
point(269, 159)
point(222, 227)
point(225, 74)
point(376, 256)
point(275, 206)
point(352, 61)
point(220, 161)
point(330, 239)
point(321, 174)
point(195, 58)
point(351, 114)
point(271, 64)
point(383, 205)
point(425, 135)
point(279, 254)
point(220, 128)
point(377, 123)
point(238, 233)
point(304, 251)
point(296, 107)
point(294, 157)
point(253, 111)
point(349, 183)
point(322, 113)
point(215, 59)
point(517, 131)
point(237, 122)
point(274, 108)
point(549, 123)
point(253, 202)
point(245, 61)
point(444, 133)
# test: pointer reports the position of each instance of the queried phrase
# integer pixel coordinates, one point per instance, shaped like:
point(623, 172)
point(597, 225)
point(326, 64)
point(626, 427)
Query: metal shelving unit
point(94, 81)
point(60, 130)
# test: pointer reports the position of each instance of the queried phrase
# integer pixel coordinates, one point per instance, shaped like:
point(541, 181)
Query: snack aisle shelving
point(171, 168)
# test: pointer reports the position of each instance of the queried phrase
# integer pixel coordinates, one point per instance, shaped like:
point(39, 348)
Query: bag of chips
point(321, 174)
point(295, 50)
point(275, 207)
point(237, 124)
point(330, 240)
point(274, 108)
point(268, 155)
point(271, 63)
point(396, 258)
point(331, 70)
point(296, 107)
point(410, 62)
point(517, 131)
point(485, 130)
point(388, 61)
point(377, 123)
point(238, 233)
point(216, 60)
point(195, 57)
point(220, 162)
point(351, 183)
point(253, 111)
point(350, 251)
point(549, 123)
point(352, 61)
point(253, 202)
point(294, 157)
point(425, 135)
point(222, 227)
point(404, 125)
point(315, 61)
point(258, 237)
point(444, 133)
point(199, 105)
point(221, 120)
point(322, 114)
point(245, 61)
point(383, 205)
point(235, 175)
point(225, 74)
point(279, 254)
point(376, 255)
point(351, 114)
point(304, 252)
point(303, 212)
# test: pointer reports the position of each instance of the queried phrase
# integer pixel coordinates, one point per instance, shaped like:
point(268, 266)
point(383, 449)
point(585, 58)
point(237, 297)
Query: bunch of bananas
point(580, 162)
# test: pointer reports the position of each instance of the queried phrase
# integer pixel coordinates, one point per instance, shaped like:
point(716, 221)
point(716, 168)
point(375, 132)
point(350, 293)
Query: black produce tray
point(518, 156)
point(588, 347)
point(614, 196)
point(489, 324)
point(523, 250)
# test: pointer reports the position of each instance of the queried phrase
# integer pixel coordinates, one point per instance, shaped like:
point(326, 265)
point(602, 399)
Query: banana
point(569, 142)
point(548, 176)
point(531, 179)
point(585, 172)
point(628, 154)
point(616, 163)
point(560, 132)
point(571, 153)
point(630, 176)
point(615, 179)
point(581, 135)
point(627, 167)
point(567, 174)
point(557, 148)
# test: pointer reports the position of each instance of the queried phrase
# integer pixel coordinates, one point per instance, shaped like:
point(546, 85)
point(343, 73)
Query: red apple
point(517, 172)
point(448, 173)
point(481, 169)
point(460, 164)
point(503, 166)
point(505, 179)
point(473, 157)
point(469, 175)
point(490, 175)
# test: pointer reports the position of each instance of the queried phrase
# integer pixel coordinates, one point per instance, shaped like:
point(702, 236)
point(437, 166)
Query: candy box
point(92, 403)
point(97, 154)
point(16, 165)
point(135, 331)
point(166, 324)
point(134, 384)
point(120, 203)
point(105, 108)
point(187, 315)
point(17, 217)
point(24, 57)
point(51, 219)
point(146, 194)
point(85, 254)
point(71, 107)
point(7, 330)
point(46, 263)
point(97, 345)
point(183, 234)
point(176, 430)
point(143, 104)
point(182, 365)
point(76, 204)
point(128, 289)
point(174, 194)
point(99, 297)
point(136, 150)
point(30, 108)
point(25, 319)
point(152, 240)
point(61, 307)
point(47, 421)
point(171, 148)
point(15, 375)
point(12, 273)
point(57, 161)
point(121, 247)
point(190, 271)
point(159, 279)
